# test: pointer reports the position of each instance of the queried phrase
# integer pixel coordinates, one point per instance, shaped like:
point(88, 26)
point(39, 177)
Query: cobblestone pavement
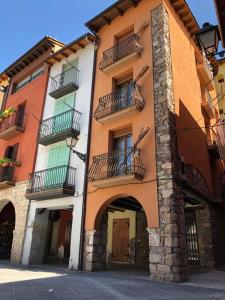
point(19, 283)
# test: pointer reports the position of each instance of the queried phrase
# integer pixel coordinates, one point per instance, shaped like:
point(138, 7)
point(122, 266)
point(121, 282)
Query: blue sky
point(25, 22)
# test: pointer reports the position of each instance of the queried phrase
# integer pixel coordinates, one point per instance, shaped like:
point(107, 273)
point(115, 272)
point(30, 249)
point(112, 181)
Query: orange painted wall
point(188, 92)
point(192, 145)
point(34, 95)
point(145, 192)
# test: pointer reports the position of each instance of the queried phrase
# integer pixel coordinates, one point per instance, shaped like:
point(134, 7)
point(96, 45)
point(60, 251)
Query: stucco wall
point(145, 192)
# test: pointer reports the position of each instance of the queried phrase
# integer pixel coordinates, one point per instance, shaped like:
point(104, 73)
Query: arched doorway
point(7, 226)
point(121, 239)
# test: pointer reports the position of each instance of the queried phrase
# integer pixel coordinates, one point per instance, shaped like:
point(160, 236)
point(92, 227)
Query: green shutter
point(58, 155)
point(63, 104)
point(69, 65)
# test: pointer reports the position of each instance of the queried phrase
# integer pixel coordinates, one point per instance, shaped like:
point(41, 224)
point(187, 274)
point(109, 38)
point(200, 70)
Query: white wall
point(82, 104)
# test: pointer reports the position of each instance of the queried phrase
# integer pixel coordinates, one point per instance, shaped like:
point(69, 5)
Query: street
point(46, 283)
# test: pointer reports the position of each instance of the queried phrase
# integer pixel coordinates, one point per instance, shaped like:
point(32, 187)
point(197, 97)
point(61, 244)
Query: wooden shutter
point(15, 151)
point(20, 114)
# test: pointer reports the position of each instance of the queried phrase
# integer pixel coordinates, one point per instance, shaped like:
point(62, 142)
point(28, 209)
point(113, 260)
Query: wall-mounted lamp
point(208, 38)
point(71, 144)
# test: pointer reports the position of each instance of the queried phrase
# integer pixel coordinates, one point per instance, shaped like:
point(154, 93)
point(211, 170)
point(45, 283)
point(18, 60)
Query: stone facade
point(21, 205)
point(205, 237)
point(167, 243)
point(94, 256)
point(218, 235)
point(142, 244)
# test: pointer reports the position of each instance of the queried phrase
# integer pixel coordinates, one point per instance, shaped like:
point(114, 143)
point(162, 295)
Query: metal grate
point(122, 49)
point(192, 237)
point(117, 163)
point(51, 179)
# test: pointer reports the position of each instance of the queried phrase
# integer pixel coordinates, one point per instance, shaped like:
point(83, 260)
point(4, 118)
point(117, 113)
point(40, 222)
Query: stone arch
point(7, 227)
point(106, 203)
point(16, 196)
point(120, 220)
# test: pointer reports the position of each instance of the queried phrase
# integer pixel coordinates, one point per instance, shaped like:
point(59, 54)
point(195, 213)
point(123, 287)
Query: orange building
point(21, 113)
point(155, 170)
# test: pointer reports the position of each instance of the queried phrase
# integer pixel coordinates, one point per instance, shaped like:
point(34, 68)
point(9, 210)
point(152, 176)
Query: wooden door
point(120, 240)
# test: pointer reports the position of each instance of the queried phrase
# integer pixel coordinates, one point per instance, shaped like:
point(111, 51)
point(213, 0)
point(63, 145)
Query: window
point(20, 112)
point(124, 90)
point(122, 147)
point(11, 152)
point(27, 80)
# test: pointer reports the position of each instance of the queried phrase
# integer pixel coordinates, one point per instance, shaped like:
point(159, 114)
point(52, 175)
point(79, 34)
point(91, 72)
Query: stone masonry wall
point(204, 232)
point(167, 243)
point(21, 204)
point(142, 243)
point(94, 256)
point(218, 235)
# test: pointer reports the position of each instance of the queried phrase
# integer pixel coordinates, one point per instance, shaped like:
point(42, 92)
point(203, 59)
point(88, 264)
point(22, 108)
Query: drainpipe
point(80, 264)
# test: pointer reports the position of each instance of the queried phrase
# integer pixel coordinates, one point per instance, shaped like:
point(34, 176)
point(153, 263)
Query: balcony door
point(58, 160)
point(63, 120)
point(122, 160)
point(68, 72)
point(124, 95)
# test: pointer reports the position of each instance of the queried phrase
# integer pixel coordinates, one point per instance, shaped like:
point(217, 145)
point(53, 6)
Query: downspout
point(35, 155)
point(80, 264)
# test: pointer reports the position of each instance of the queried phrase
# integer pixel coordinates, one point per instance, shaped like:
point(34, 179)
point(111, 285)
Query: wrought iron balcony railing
point(117, 163)
point(118, 101)
point(123, 48)
point(7, 173)
point(59, 127)
point(64, 83)
point(61, 177)
point(15, 119)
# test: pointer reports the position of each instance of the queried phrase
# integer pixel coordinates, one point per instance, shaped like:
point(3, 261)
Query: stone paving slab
point(19, 283)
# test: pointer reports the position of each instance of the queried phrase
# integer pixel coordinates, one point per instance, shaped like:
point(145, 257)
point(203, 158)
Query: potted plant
point(7, 113)
point(6, 162)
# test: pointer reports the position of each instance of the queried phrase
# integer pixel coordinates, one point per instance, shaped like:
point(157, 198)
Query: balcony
point(117, 168)
point(212, 143)
point(205, 73)
point(11, 126)
point(52, 183)
point(208, 105)
point(117, 105)
point(64, 83)
point(60, 127)
point(125, 51)
point(6, 177)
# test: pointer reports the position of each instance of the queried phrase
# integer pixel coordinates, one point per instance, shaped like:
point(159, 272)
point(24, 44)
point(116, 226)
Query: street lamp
point(71, 144)
point(209, 37)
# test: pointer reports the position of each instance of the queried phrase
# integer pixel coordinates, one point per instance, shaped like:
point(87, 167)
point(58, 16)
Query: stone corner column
point(167, 243)
point(94, 254)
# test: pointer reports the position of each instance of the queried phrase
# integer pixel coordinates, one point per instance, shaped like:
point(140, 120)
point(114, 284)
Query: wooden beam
point(134, 2)
point(64, 54)
point(56, 58)
point(80, 45)
point(184, 15)
point(120, 11)
point(180, 8)
point(106, 19)
point(73, 50)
